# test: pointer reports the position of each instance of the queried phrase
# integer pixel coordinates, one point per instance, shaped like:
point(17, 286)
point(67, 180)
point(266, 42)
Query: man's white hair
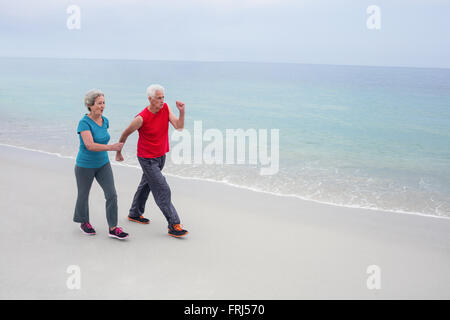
point(151, 90)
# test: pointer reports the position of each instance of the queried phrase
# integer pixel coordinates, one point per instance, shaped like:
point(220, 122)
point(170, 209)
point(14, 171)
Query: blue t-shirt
point(93, 159)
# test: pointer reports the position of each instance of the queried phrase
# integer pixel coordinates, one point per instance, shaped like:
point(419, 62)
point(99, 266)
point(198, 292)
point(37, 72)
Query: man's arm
point(134, 125)
point(178, 123)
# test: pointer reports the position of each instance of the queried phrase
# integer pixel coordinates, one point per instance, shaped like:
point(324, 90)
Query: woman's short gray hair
point(90, 97)
point(151, 90)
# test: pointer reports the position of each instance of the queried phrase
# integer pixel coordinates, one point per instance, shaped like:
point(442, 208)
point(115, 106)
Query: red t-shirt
point(153, 139)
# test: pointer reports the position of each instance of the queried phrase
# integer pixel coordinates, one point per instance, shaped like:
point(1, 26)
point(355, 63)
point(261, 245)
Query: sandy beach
point(242, 244)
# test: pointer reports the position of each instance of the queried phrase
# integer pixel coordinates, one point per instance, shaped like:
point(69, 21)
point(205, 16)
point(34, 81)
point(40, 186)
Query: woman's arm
point(92, 146)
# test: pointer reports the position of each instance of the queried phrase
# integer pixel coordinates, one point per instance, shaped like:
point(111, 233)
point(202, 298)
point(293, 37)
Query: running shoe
point(139, 219)
point(175, 230)
point(86, 228)
point(118, 233)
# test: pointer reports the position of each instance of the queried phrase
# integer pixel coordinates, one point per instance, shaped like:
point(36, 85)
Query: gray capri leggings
point(104, 177)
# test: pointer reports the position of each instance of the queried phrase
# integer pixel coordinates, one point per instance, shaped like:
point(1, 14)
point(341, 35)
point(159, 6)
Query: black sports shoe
point(118, 233)
point(86, 228)
point(139, 219)
point(175, 230)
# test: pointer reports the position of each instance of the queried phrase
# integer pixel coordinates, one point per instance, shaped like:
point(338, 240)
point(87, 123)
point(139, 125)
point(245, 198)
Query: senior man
point(153, 144)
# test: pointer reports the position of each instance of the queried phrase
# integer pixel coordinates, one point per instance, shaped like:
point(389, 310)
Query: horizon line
point(222, 61)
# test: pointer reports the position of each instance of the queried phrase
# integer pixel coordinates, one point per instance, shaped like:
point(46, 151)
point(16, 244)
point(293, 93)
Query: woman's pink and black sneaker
point(118, 233)
point(86, 228)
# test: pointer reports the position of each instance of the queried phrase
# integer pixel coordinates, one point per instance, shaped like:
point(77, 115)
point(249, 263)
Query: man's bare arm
point(134, 125)
point(178, 123)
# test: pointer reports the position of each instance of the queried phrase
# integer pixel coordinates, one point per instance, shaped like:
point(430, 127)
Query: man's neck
point(152, 109)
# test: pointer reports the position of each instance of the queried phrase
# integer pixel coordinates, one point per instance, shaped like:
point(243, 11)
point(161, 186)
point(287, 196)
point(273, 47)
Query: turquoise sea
point(371, 137)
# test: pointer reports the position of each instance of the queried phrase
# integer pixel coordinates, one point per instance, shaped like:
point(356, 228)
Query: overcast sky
point(413, 32)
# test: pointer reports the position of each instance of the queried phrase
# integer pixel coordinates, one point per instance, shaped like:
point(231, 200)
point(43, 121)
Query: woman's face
point(99, 106)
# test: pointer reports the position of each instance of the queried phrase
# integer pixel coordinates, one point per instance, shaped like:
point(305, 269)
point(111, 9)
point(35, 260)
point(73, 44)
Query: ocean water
point(370, 137)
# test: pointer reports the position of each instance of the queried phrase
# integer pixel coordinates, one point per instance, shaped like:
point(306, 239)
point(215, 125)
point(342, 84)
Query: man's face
point(158, 100)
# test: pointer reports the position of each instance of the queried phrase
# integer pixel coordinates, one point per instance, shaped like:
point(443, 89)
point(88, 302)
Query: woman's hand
point(116, 146)
point(119, 156)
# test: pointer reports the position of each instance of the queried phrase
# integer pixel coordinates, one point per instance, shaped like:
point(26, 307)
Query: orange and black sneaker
point(139, 219)
point(175, 230)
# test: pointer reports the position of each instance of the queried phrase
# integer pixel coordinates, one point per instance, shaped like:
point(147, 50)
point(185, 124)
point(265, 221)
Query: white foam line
point(307, 199)
point(37, 150)
point(243, 187)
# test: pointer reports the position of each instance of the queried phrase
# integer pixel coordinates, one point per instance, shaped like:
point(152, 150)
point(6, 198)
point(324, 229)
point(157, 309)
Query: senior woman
point(93, 162)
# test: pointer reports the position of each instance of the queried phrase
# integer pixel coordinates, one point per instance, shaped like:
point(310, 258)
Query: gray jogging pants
point(153, 181)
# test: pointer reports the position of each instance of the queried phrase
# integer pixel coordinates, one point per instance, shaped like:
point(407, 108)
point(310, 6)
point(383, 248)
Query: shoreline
point(114, 163)
point(231, 61)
